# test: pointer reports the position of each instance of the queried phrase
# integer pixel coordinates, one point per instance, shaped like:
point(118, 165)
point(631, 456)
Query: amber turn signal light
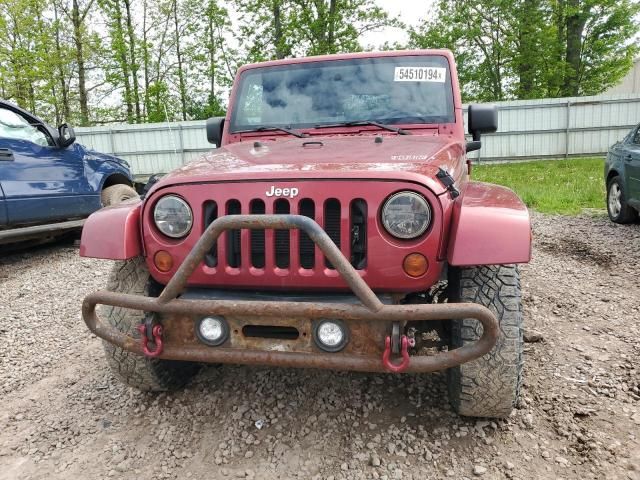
point(163, 261)
point(415, 264)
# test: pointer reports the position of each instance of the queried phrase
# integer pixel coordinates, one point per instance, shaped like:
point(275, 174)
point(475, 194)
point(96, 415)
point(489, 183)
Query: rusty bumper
point(169, 305)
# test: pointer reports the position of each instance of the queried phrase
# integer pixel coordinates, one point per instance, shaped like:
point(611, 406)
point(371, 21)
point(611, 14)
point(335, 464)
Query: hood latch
point(449, 183)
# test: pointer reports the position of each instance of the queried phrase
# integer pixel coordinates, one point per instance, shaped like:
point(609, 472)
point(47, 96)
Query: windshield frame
point(450, 91)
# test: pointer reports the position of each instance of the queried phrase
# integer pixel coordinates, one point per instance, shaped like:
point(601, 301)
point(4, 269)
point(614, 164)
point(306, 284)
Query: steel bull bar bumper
point(371, 310)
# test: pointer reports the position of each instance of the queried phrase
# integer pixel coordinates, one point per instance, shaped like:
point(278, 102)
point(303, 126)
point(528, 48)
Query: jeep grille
point(341, 222)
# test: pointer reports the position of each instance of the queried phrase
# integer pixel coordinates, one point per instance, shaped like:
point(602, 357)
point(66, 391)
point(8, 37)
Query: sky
point(411, 12)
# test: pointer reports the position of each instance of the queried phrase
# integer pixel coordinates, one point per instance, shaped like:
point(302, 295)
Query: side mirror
point(66, 135)
point(481, 119)
point(215, 125)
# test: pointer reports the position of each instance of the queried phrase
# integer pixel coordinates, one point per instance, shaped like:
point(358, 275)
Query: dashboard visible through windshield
point(390, 90)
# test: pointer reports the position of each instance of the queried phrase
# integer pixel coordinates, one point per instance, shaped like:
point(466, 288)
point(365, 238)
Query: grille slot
point(307, 247)
point(358, 234)
point(332, 224)
point(256, 207)
point(234, 254)
point(210, 214)
point(282, 207)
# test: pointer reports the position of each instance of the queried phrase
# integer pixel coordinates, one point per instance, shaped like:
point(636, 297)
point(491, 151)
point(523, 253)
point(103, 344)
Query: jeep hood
point(414, 158)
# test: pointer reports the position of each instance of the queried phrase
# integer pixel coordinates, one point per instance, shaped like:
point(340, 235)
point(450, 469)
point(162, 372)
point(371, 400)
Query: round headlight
point(406, 215)
point(173, 216)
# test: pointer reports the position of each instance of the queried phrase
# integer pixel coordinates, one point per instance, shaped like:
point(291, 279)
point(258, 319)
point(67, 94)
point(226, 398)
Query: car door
point(3, 208)
point(631, 161)
point(41, 182)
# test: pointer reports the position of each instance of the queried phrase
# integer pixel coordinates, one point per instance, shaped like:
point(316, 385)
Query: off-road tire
point(626, 214)
point(138, 371)
point(116, 194)
point(490, 385)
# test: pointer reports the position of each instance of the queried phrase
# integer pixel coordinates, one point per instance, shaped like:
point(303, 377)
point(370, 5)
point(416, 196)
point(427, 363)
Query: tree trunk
point(331, 47)
point(120, 48)
point(132, 60)
point(526, 47)
point(145, 54)
point(64, 90)
point(575, 22)
point(76, 21)
point(212, 58)
point(183, 93)
point(277, 27)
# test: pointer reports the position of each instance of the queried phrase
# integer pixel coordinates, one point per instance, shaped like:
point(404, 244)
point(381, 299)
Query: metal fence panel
point(552, 127)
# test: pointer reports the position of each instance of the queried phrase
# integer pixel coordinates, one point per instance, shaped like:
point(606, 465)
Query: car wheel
point(488, 386)
point(116, 194)
point(617, 208)
point(145, 374)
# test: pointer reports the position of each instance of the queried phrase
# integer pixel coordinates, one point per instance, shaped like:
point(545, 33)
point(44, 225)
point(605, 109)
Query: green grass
point(566, 187)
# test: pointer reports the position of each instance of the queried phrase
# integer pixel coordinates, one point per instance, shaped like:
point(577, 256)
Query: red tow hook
point(156, 332)
point(386, 361)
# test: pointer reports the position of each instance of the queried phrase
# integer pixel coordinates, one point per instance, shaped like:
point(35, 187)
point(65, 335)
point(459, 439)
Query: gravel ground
point(64, 416)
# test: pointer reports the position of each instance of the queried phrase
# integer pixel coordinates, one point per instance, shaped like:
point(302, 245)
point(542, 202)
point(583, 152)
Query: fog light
point(331, 335)
point(212, 331)
point(415, 265)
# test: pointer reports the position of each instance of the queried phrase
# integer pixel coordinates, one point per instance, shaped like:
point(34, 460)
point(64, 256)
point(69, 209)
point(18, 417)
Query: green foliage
point(25, 72)
point(534, 48)
point(567, 187)
point(158, 103)
point(100, 61)
point(606, 52)
point(282, 28)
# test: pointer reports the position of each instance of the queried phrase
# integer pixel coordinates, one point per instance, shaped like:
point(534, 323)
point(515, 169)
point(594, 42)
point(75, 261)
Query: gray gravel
point(65, 416)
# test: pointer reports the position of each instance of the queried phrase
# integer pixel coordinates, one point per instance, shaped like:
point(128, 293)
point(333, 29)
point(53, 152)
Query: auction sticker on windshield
point(419, 74)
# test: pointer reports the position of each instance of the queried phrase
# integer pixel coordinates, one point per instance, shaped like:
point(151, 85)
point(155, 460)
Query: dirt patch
point(65, 416)
point(577, 250)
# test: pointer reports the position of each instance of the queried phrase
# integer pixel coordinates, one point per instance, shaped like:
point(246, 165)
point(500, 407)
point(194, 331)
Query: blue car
point(622, 176)
point(49, 183)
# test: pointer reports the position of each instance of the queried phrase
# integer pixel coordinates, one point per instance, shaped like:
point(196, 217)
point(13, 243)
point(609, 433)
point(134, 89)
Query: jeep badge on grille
point(282, 192)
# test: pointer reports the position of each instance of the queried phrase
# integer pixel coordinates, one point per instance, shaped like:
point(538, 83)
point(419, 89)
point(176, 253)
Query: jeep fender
point(113, 233)
point(489, 226)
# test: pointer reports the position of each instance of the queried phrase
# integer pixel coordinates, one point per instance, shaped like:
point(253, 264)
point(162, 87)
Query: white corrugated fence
point(547, 128)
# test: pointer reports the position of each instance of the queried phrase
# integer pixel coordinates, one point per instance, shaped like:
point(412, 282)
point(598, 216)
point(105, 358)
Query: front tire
point(116, 194)
point(617, 208)
point(488, 386)
point(145, 374)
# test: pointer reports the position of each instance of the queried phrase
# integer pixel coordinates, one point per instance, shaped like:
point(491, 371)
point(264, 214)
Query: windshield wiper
point(272, 129)
point(361, 123)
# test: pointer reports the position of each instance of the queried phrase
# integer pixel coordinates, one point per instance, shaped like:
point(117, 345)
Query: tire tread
point(488, 386)
point(145, 374)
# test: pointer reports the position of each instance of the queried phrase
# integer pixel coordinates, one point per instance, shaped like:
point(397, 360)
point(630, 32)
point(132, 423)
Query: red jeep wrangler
point(336, 227)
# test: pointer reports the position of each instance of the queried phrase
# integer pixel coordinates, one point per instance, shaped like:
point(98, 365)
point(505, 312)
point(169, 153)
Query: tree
point(77, 15)
point(534, 48)
point(22, 52)
point(598, 48)
point(62, 59)
point(131, 37)
point(265, 28)
point(219, 64)
point(284, 28)
point(119, 70)
point(336, 25)
point(482, 36)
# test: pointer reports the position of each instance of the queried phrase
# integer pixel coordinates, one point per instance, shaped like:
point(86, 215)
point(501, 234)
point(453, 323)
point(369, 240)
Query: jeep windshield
point(413, 89)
